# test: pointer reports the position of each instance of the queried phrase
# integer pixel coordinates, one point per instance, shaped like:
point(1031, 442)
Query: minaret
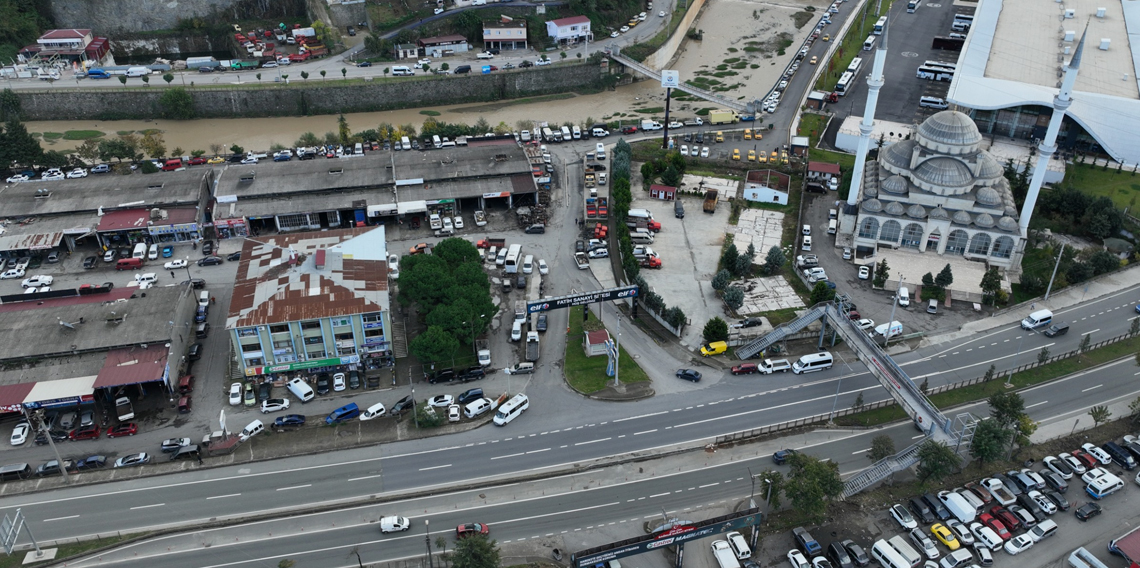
point(874, 83)
point(1048, 146)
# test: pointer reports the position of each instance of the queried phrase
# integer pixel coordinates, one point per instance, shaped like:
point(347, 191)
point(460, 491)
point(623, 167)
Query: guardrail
point(744, 435)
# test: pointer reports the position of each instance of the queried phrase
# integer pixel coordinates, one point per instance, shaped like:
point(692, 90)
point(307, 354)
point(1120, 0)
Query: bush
point(715, 330)
point(734, 298)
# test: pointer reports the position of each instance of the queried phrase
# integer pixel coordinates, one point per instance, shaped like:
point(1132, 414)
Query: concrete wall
point(110, 17)
point(661, 57)
point(312, 98)
point(169, 46)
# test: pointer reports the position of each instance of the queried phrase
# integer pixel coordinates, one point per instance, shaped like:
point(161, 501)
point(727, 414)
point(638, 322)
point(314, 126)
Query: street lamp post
point(427, 541)
point(1016, 358)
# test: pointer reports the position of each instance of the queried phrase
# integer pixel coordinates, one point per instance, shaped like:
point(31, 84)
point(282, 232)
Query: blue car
point(282, 158)
point(290, 420)
point(1138, 308)
point(343, 414)
point(101, 169)
point(167, 251)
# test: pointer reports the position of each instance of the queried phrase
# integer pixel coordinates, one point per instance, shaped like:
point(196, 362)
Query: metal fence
point(807, 421)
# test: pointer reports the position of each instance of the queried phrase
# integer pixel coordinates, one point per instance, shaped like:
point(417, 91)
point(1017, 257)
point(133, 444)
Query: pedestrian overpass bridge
point(926, 417)
point(750, 108)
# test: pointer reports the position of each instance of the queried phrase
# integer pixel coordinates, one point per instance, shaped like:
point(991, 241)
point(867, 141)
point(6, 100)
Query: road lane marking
point(1093, 331)
point(918, 436)
point(434, 467)
point(508, 456)
point(230, 495)
point(1091, 388)
point(645, 432)
point(591, 442)
point(700, 487)
point(538, 451)
point(147, 506)
point(1036, 404)
point(61, 518)
point(860, 451)
point(295, 487)
point(665, 494)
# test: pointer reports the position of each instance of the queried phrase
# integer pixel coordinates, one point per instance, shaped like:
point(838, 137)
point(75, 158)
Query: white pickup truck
point(258, 155)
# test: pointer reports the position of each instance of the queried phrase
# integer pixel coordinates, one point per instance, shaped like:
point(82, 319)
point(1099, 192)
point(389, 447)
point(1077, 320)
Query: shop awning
point(412, 207)
point(133, 365)
point(386, 209)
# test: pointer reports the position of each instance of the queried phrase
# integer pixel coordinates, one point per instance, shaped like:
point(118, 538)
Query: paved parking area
point(759, 227)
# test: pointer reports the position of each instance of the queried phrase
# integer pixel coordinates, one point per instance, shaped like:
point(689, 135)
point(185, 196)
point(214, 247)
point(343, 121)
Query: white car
point(20, 433)
point(903, 517)
point(338, 382)
point(1095, 451)
point(864, 272)
point(865, 324)
point(248, 161)
point(13, 273)
point(594, 244)
point(797, 559)
point(441, 401)
point(453, 413)
point(1044, 502)
point(612, 34)
point(542, 267)
point(485, 55)
point(661, 14)
point(1094, 473)
point(396, 524)
point(704, 151)
point(393, 266)
point(1018, 544)
point(961, 532)
point(235, 394)
point(424, 61)
point(438, 11)
point(17, 178)
point(484, 356)
point(53, 174)
point(675, 124)
point(458, 221)
point(599, 253)
point(1075, 464)
point(274, 405)
point(1058, 467)
point(684, 150)
point(175, 264)
point(77, 173)
point(924, 544)
point(133, 460)
point(624, 29)
point(542, 62)
point(375, 411)
point(447, 225)
point(37, 281)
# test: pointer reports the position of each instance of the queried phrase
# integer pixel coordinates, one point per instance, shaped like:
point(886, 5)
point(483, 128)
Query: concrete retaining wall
point(661, 57)
point(310, 97)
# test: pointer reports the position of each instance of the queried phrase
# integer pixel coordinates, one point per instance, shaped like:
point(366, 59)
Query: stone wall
point(174, 47)
point(300, 98)
point(111, 17)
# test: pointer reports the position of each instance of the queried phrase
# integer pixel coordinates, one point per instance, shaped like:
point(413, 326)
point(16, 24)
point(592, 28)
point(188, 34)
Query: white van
point(904, 296)
point(1037, 319)
point(958, 558)
point(958, 506)
point(831, 226)
point(204, 299)
point(140, 251)
point(933, 102)
point(814, 362)
point(502, 258)
point(641, 238)
point(887, 555)
point(405, 143)
point(1043, 530)
point(599, 133)
point(905, 550)
point(807, 244)
point(254, 428)
point(1104, 486)
point(599, 149)
point(402, 71)
point(138, 72)
point(738, 545)
point(301, 390)
point(640, 214)
point(576, 132)
point(869, 43)
point(511, 409)
point(152, 254)
point(528, 264)
point(436, 142)
point(889, 330)
point(987, 537)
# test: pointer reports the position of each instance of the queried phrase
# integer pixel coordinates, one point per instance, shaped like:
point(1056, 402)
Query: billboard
point(547, 304)
point(676, 535)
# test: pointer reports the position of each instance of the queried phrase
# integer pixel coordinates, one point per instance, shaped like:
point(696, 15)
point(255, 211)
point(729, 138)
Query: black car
point(1057, 329)
point(1088, 511)
point(541, 325)
point(364, 64)
point(234, 257)
point(93, 462)
point(205, 69)
point(195, 283)
point(936, 505)
point(442, 376)
point(469, 395)
point(858, 555)
point(525, 64)
point(520, 282)
point(579, 246)
point(90, 262)
point(263, 391)
point(52, 467)
point(207, 248)
point(354, 380)
point(351, 31)
point(781, 456)
point(922, 510)
point(323, 382)
point(289, 420)
point(1058, 500)
point(689, 375)
point(1009, 484)
point(401, 405)
point(473, 373)
point(536, 229)
point(751, 322)
point(839, 556)
point(1054, 481)
point(209, 261)
point(56, 436)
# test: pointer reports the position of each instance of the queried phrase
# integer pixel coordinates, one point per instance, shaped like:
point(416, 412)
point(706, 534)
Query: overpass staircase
point(927, 418)
point(750, 108)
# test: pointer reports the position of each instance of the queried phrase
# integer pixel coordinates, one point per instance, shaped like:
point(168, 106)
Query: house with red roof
point(570, 30)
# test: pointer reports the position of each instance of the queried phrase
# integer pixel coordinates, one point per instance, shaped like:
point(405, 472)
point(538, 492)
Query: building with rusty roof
point(312, 302)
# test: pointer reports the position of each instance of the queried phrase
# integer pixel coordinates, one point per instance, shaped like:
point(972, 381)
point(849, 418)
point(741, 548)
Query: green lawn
point(851, 47)
point(82, 134)
point(811, 125)
point(65, 551)
point(1122, 187)
point(983, 391)
point(588, 374)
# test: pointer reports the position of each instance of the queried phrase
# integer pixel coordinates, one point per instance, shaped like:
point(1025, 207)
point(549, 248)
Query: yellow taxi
point(775, 156)
point(216, 160)
point(762, 158)
point(736, 153)
point(944, 536)
point(826, 37)
point(752, 155)
point(747, 133)
point(719, 136)
point(814, 59)
point(784, 157)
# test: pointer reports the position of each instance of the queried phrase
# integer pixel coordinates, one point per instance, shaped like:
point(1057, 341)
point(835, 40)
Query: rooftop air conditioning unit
point(1104, 42)
point(1070, 13)
point(1100, 12)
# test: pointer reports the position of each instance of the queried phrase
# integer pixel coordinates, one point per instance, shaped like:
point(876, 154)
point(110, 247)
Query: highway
point(537, 442)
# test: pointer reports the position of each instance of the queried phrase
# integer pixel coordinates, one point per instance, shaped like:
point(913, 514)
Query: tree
point(323, 74)
point(1006, 408)
point(198, 153)
point(858, 401)
point(146, 80)
point(176, 103)
point(775, 260)
point(1043, 356)
point(1025, 428)
point(1100, 414)
point(123, 79)
point(168, 77)
point(305, 74)
point(928, 280)
point(991, 284)
point(821, 293)
point(882, 447)
point(720, 282)
point(925, 386)
point(308, 139)
point(475, 551)
point(153, 144)
point(812, 484)
point(734, 298)
point(1134, 327)
point(716, 329)
point(445, 67)
point(936, 461)
point(770, 483)
point(343, 130)
point(671, 176)
point(235, 149)
point(648, 173)
point(121, 148)
point(1134, 409)
point(343, 73)
point(426, 67)
point(743, 266)
point(989, 376)
point(989, 441)
point(258, 77)
point(944, 278)
point(427, 417)
point(882, 272)
point(88, 150)
point(562, 54)
point(10, 106)
point(19, 147)
point(728, 257)
point(1085, 342)
point(286, 563)
point(433, 345)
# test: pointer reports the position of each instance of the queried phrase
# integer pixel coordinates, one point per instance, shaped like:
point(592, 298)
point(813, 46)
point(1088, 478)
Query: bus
point(881, 25)
point(965, 18)
point(912, 6)
point(845, 82)
point(855, 65)
point(935, 74)
point(948, 43)
point(940, 65)
point(512, 263)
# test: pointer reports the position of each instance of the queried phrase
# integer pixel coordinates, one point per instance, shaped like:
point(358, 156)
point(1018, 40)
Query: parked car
point(903, 517)
point(689, 375)
point(132, 460)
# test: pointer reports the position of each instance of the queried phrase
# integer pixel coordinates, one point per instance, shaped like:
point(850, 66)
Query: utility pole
point(47, 433)
point(1055, 267)
point(891, 319)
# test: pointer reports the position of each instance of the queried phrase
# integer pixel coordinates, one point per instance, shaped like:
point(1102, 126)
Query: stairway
point(881, 470)
point(399, 340)
point(782, 331)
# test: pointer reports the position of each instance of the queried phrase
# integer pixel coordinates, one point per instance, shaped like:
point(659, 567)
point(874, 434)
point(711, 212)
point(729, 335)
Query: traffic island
point(584, 366)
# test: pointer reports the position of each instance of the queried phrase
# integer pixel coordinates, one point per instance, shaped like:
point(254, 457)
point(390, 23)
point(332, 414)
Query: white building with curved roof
point(939, 192)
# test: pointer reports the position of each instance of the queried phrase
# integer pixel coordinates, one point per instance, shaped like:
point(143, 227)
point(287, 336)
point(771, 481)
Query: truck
point(480, 218)
point(124, 409)
point(710, 201)
point(722, 116)
point(435, 222)
point(651, 262)
point(240, 64)
point(1127, 546)
point(642, 252)
point(489, 242)
point(316, 50)
point(698, 121)
point(581, 260)
point(532, 347)
point(725, 557)
point(648, 224)
point(647, 124)
point(198, 62)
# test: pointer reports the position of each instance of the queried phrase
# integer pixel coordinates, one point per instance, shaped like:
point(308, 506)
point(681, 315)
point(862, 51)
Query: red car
point(85, 433)
point(996, 525)
point(1089, 461)
point(745, 369)
point(197, 161)
point(126, 429)
point(470, 529)
point(629, 130)
point(981, 492)
point(1007, 518)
